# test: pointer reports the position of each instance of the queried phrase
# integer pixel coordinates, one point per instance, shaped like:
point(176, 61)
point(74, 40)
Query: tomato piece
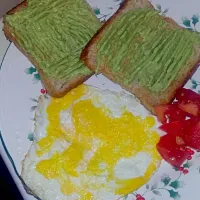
point(174, 113)
point(182, 127)
point(174, 128)
point(190, 107)
point(195, 119)
point(184, 94)
point(181, 132)
point(179, 128)
point(169, 113)
point(172, 149)
point(192, 137)
point(160, 112)
point(188, 124)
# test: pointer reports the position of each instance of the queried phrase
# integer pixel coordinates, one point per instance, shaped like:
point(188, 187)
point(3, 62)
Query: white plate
point(20, 87)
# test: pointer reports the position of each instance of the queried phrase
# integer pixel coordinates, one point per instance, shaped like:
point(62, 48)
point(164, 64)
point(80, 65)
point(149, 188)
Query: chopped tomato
point(160, 112)
point(174, 113)
point(191, 107)
point(192, 137)
point(172, 149)
point(185, 95)
point(180, 128)
point(188, 124)
point(181, 122)
point(169, 113)
point(174, 128)
point(195, 119)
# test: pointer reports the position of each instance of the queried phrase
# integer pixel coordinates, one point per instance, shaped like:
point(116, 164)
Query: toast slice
point(65, 45)
point(107, 54)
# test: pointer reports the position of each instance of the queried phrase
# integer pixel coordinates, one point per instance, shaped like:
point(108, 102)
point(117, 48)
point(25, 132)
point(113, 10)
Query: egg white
point(125, 168)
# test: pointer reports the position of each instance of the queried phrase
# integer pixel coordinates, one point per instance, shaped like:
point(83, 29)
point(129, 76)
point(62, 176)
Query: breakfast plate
point(20, 87)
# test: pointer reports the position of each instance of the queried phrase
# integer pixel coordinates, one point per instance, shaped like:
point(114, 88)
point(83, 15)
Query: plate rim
point(1, 134)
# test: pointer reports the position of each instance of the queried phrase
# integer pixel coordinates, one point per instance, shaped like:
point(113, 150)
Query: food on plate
point(186, 95)
point(98, 144)
point(148, 54)
point(91, 144)
point(172, 149)
point(192, 138)
point(181, 122)
point(52, 35)
point(169, 113)
point(189, 101)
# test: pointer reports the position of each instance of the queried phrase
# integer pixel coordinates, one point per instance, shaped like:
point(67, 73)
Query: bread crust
point(148, 99)
point(56, 88)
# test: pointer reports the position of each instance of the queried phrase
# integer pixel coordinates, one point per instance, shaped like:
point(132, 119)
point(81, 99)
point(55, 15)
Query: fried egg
point(92, 144)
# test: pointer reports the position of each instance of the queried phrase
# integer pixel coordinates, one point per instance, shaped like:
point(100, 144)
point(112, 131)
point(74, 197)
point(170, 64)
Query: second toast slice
point(147, 54)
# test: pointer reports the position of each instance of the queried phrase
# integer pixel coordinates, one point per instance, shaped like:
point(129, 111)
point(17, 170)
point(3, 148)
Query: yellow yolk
point(57, 105)
point(116, 138)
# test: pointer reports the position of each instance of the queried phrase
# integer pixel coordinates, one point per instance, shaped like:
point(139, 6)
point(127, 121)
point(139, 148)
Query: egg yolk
point(98, 134)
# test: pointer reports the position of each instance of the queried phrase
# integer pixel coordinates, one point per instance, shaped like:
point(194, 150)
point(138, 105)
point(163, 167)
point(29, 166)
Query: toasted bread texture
point(56, 87)
point(146, 96)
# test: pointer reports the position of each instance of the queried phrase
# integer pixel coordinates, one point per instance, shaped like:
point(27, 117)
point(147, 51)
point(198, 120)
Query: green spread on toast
point(54, 34)
point(140, 47)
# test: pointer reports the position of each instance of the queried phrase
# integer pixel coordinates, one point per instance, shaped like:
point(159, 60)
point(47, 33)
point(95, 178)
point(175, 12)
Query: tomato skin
point(169, 113)
point(160, 112)
point(179, 127)
point(173, 128)
point(192, 137)
point(190, 107)
point(171, 151)
point(188, 101)
point(181, 122)
point(185, 95)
